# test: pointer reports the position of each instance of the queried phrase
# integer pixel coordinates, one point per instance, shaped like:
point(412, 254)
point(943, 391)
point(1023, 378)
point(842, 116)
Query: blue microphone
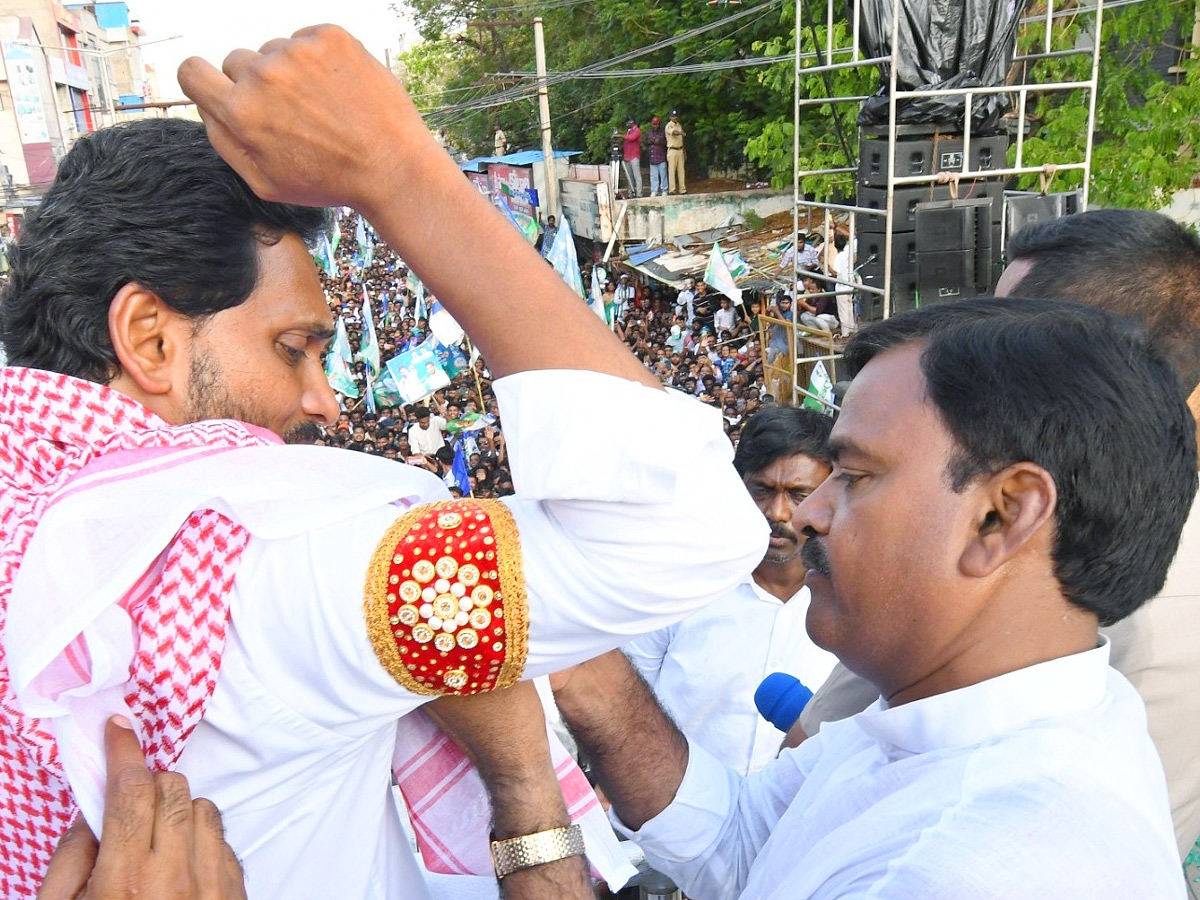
point(781, 698)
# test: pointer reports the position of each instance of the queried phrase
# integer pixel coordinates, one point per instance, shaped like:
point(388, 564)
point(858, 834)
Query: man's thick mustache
point(783, 531)
point(815, 556)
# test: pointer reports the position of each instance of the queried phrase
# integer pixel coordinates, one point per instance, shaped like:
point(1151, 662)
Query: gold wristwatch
point(518, 853)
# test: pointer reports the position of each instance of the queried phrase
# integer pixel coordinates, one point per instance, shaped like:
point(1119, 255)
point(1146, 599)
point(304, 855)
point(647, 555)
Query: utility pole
point(539, 48)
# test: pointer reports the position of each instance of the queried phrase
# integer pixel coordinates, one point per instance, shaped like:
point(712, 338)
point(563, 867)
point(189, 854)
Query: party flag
point(718, 276)
point(820, 384)
point(337, 363)
point(443, 325)
point(562, 257)
point(369, 352)
point(459, 469)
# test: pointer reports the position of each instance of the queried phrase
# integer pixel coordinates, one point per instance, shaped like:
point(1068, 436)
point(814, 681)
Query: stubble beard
point(210, 398)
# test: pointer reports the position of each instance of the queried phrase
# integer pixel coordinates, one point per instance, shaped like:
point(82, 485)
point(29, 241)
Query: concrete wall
point(1185, 207)
point(662, 218)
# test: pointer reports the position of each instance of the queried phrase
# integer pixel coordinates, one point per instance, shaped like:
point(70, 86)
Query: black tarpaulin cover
point(943, 44)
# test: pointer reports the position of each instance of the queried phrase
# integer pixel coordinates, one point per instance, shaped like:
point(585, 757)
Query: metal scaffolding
point(846, 57)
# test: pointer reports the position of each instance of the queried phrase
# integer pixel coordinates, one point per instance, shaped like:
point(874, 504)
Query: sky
point(211, 28)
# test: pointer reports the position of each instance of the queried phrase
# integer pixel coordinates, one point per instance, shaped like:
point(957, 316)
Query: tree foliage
point(1147, 105)
point(721, 109)
point(1148, 121)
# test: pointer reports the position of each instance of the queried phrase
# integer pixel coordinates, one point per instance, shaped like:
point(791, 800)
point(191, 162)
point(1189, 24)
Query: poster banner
point(416, 373)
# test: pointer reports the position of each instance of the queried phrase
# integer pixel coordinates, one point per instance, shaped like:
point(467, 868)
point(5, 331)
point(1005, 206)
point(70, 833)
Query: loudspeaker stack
point(971, 234)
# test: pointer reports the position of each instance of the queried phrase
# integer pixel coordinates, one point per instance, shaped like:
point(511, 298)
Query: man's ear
point(148, 338)
point(1016, 504)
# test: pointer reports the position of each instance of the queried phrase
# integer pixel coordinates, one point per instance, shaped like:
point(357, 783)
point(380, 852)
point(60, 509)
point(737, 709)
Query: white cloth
point(1158, 650)
point(1038, 783)
point(705, 669)
point(429, 440)
point(296, 744)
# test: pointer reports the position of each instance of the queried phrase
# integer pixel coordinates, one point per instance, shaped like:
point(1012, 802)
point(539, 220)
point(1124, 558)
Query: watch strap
point(513, 854)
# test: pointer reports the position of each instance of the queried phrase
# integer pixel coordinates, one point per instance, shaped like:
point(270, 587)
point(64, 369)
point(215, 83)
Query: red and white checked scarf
point(451, 817)
point(51, 427)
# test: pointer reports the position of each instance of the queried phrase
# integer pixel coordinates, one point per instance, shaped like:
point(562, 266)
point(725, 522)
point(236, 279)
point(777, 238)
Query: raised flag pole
point(475, 372)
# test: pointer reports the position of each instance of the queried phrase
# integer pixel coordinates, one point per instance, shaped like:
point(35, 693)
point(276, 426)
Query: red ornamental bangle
point(445, 599)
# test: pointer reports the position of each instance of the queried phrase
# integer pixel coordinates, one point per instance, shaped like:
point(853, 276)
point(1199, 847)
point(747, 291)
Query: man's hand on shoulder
point(158, 843)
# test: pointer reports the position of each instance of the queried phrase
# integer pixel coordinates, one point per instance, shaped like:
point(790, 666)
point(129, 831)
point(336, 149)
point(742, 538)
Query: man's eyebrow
point(321, 331)
point(840, 446)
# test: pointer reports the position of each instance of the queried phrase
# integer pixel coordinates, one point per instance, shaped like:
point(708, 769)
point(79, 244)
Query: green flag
point(820, 384)
point(337, 363)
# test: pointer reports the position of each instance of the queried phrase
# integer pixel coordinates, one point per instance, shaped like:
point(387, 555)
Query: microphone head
point(781, 698)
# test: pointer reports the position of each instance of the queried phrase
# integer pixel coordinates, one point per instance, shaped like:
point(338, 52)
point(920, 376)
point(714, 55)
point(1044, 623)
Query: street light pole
point(539, 49)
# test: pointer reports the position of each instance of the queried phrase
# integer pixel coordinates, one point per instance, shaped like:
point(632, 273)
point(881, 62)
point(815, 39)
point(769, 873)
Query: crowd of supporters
point(693, 341)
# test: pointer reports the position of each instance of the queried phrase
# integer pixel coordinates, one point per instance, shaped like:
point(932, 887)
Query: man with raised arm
point(265, 614)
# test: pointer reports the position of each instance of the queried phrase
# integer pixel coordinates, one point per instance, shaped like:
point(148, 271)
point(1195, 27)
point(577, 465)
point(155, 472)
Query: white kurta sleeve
point(709, 836)
point(629, 517)
point(647, 653)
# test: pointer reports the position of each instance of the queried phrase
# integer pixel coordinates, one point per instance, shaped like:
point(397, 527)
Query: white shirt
point(685, 304)
point(1041, 783)
point(623, 296)
point(724, 319)
point(427, 441)
point(706, 668)
point(843, 270)
point(297, 739)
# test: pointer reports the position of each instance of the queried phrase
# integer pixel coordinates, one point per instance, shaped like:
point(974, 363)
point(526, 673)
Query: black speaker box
point(928, 156)
point(906, 200)
point(1023, 208)
point(946, 275)
point(871, 253)
point(904, 294)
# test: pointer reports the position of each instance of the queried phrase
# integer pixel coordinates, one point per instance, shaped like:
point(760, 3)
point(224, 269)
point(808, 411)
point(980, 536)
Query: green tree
point(721, 109)
point(1147, 118)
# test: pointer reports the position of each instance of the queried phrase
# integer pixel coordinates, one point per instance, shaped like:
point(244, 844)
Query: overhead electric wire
point(517, 92)
point(606, 98)
point(609, 96)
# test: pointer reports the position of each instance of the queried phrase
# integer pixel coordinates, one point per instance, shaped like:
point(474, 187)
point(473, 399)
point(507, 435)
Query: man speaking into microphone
point(705, 670)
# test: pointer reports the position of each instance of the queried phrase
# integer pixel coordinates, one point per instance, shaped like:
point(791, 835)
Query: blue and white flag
point(459, 469)
point(443, 325)
point(369, 352)
point(562, 257)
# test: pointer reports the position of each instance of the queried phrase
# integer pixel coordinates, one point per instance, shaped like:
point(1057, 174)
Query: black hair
point(148, 202)
point(1081, 393)
point(1128, 261)
point(840, 241)
point(778, 431)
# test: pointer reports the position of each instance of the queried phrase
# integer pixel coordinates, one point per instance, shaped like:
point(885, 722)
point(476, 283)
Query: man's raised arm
point(351, 136)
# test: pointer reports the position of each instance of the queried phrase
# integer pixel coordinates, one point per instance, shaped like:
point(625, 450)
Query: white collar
point(998, 706)
point(763, 594)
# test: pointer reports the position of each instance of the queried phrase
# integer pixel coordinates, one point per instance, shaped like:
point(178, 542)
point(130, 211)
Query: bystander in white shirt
point(724, 319)
point(1040, 783)
point(705, 669)
point(428, 440)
